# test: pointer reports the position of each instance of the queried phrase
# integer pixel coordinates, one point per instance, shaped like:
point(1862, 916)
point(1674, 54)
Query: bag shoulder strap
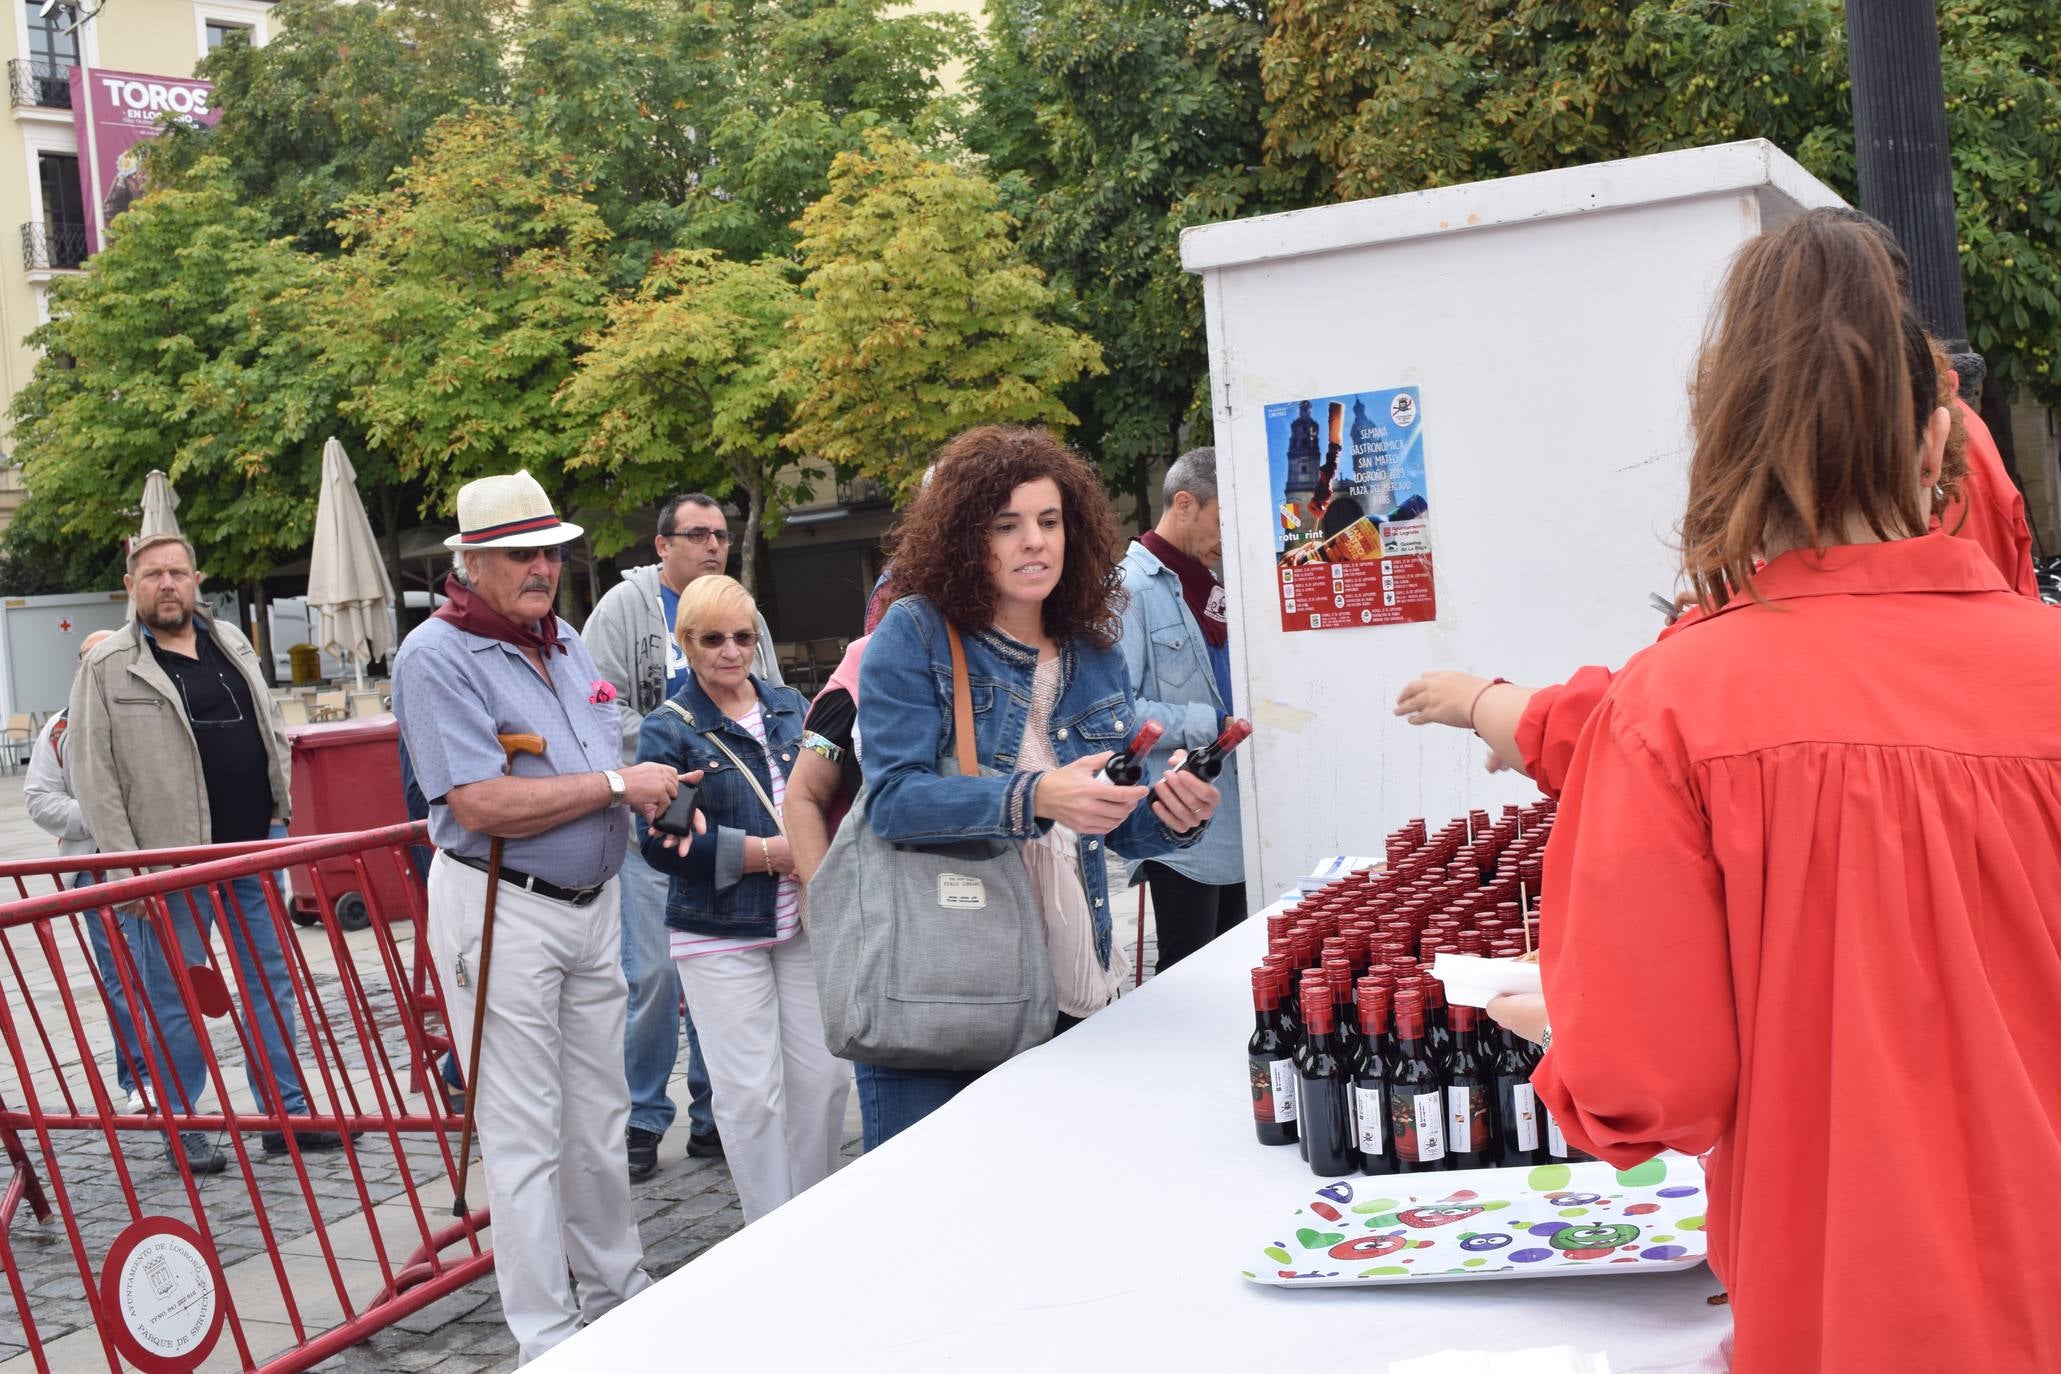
point(749, 776)
point(962, 706)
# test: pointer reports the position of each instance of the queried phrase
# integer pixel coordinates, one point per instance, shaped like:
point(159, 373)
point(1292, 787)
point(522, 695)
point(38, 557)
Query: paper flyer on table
point(1352, 527)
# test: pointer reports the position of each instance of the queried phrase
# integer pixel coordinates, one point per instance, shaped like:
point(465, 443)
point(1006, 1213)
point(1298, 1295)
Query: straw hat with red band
point(509, 512)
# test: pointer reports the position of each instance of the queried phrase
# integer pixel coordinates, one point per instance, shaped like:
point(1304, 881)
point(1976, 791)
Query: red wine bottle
point(1517, 1109)
point(1470, 1096)
point(1312, 983)
point(1208, 761)
point(1270, 1063)
point(1370, 1079)
point(1436, 1028)
point(1323, 1109)
point(1416, 1092)
point(1126, 767)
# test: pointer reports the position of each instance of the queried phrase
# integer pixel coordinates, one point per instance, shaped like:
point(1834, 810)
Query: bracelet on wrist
point(1475, 704)
point(765, 854)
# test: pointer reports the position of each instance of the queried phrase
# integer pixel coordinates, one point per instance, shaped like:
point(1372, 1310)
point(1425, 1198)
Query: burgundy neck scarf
point(1199, 587)
point(464, 609)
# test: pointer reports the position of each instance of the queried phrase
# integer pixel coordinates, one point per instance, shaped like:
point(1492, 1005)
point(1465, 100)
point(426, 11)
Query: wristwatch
point(617, 790)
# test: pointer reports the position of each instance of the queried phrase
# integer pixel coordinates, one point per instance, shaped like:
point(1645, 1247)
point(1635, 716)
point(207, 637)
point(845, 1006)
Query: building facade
point(46, 205)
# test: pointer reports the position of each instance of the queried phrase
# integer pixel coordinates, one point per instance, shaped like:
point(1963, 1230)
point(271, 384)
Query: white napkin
point(1472, 981)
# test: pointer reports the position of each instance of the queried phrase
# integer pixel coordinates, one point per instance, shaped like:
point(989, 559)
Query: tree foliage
point(682, 389)
point(182, 349)
point(343, 95)
point(1387, 97)
point(922, 317)
point(460, 304)
point(1117, 125)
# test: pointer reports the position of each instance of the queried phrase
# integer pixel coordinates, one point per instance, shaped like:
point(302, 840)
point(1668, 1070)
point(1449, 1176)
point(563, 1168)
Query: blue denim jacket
point(710, 893)
point(905, 719)
point(1166, 661)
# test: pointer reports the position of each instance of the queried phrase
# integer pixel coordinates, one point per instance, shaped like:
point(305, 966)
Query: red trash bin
point(347, 777)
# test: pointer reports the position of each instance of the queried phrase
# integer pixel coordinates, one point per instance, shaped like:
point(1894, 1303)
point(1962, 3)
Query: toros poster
point(119, 112)
point(1352, 514)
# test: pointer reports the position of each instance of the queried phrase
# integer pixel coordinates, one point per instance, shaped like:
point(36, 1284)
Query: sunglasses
point(715, 639)
point(700, 534)
point(554, 553)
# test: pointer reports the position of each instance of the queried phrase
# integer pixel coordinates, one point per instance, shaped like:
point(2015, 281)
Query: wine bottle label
point(1556, 1143)
point(1367, 1112)
point(1467, 1129)
point(1261, 1073)
point(1283, 1073)
point(1524, 1113)
point(1417, 1122)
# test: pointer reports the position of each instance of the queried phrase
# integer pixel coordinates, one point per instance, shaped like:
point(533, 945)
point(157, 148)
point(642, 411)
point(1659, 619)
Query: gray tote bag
point(930, 956)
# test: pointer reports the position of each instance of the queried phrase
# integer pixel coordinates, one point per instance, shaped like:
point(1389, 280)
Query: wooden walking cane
point(511, 745)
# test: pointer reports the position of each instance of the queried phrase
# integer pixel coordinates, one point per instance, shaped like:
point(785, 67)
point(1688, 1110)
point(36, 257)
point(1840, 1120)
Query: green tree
point(342, 96)
point(458, 308)
point(921, 317)
point(1117, 125)
point(681, 388)
point(714, 124)
point(1386, 97)
point(180, 346)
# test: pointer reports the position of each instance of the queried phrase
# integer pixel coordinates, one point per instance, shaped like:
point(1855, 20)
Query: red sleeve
point(1635, 958)
point(1990, 511)
point(1552, 723)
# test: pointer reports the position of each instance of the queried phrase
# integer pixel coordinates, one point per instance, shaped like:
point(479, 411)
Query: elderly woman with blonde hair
point(734, 906)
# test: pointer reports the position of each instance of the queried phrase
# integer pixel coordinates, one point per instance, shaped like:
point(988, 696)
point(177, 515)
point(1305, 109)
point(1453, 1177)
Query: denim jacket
point(905, 716)
point(1167, 664)
point(710, 893)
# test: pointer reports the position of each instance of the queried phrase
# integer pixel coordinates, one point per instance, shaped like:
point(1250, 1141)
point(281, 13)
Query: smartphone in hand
point(678, 818)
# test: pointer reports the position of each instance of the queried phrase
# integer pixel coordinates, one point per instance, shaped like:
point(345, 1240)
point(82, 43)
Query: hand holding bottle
point(1078, 798)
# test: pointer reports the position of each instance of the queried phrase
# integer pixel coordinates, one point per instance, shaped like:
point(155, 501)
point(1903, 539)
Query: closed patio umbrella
point(159, 503)
point(350, 598)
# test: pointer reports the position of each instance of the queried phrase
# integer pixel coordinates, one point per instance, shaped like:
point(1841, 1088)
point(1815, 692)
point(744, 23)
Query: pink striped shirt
point(786, 902)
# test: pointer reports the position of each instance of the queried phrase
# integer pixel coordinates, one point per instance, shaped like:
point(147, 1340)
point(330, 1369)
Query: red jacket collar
point(1929, 563)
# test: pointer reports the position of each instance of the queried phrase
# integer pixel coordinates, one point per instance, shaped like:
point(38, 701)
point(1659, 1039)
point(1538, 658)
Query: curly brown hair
point(939, 546)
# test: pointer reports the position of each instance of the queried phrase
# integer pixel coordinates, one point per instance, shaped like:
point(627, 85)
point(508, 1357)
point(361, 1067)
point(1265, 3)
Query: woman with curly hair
point(1013, 543)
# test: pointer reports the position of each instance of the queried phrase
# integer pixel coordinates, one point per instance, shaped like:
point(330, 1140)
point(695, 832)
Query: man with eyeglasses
point(174, 741)
point(631, 637)
point(550, 1097)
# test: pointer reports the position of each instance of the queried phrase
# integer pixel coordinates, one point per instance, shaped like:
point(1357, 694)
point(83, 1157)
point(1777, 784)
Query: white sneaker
point(135, 1104)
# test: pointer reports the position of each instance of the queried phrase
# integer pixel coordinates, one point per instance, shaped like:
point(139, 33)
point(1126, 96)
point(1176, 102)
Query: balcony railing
point(52, 245)
point(40, 81)
point(861, 491)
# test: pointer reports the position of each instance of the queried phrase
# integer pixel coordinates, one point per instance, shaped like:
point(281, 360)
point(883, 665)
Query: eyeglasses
point(554, 553)
point(700, 534)
point(715, 639)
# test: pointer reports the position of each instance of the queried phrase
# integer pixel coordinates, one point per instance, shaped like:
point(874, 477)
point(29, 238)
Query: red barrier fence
point(300, 1246)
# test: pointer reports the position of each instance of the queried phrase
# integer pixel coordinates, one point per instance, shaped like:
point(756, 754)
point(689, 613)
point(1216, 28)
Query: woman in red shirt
point(1806, 884)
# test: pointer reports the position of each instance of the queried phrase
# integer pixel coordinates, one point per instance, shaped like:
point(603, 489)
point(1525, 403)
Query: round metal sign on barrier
point(209, 990)
point(161, 1296)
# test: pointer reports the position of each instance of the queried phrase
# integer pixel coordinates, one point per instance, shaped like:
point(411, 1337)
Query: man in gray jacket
point(631, 637)
point(175, 741)
point(1176, 643)
point(47, 791)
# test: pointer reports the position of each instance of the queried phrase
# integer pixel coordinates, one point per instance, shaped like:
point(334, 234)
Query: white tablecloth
point(1088, 1206)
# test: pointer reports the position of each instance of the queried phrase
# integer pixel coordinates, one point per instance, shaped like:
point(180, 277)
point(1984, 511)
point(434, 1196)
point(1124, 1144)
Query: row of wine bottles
point(1355, 1056)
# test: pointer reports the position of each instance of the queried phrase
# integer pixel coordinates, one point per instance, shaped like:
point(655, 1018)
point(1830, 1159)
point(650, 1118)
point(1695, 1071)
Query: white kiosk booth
point(1475, 399)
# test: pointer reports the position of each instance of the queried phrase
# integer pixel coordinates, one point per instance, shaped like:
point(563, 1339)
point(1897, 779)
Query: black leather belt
point(576, 896)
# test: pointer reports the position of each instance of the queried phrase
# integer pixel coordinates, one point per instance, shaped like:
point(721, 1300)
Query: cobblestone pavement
point(683, 1209)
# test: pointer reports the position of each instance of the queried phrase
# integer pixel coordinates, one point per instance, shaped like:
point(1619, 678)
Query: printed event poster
point(119, 112)
point(1352, 530)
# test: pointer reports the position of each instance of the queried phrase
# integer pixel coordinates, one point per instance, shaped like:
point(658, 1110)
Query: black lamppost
point(1900, 140)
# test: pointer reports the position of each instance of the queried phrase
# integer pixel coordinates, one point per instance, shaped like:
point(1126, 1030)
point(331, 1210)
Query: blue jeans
point(651, 1031)
point(127, 1052)
point(160, 982)
point(893, 1100)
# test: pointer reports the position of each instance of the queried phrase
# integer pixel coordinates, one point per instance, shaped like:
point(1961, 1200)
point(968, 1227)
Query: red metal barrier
point(297, 1253)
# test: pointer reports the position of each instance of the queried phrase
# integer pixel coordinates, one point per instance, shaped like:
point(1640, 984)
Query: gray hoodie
point(627, 636)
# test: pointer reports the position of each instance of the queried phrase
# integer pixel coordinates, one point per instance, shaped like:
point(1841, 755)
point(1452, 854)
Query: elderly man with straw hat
point(495, 663)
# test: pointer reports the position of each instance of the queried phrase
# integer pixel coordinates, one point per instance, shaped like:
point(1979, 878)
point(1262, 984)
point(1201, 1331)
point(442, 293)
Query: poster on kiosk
point(119, 113)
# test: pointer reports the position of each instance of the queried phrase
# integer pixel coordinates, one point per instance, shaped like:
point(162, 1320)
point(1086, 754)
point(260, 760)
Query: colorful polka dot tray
point(1548, 1222)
